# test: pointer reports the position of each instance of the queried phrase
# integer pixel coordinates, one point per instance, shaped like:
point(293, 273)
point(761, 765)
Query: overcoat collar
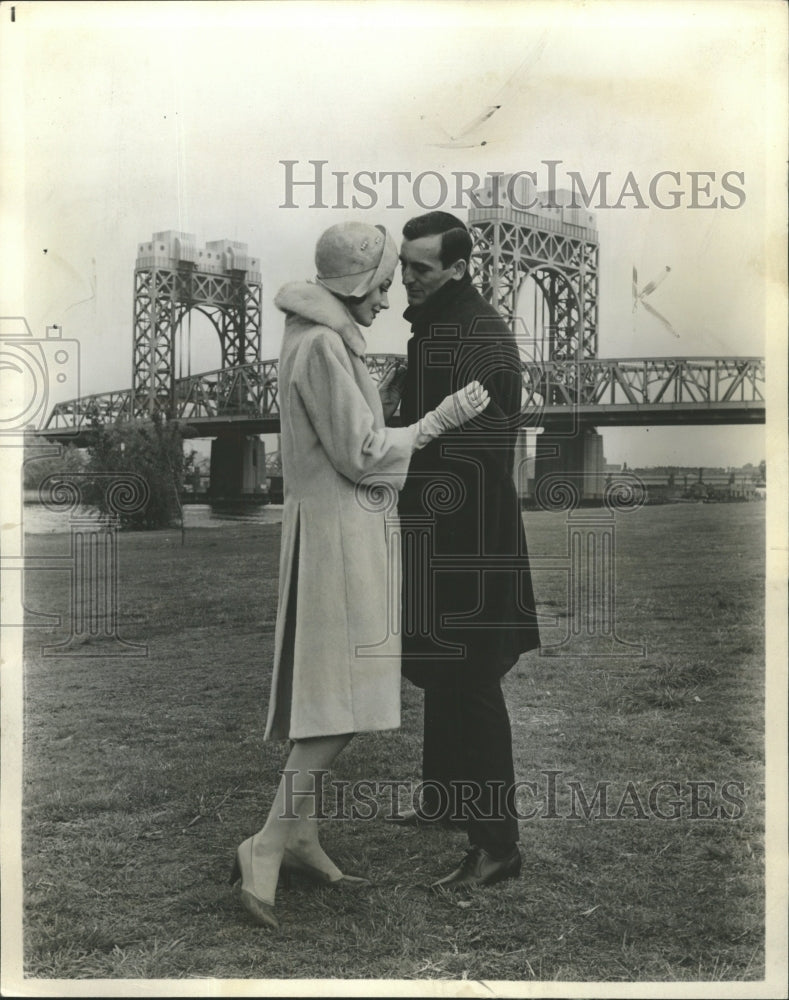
point(434, 306)
point(316, 304)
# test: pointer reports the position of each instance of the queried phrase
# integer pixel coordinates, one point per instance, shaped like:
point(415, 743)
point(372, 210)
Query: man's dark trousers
point(467, 751)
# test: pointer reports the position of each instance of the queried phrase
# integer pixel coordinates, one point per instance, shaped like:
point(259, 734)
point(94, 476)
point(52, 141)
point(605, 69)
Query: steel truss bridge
point(599, 392)
point(543, 261)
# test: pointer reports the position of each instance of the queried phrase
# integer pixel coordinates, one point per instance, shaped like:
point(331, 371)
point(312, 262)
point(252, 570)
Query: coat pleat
point(337, 646)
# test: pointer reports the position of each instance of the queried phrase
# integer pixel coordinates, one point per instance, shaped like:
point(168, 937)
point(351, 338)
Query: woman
point(336, 665)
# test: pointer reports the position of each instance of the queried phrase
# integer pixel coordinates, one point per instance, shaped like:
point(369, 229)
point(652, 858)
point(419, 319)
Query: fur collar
point(316, 304)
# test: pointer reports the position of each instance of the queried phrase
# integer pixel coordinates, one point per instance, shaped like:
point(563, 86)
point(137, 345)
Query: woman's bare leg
point(292, 821)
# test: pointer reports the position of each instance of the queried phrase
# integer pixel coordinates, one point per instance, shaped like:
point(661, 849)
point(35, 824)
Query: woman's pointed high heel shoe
point(261, 911)
point(292, 863)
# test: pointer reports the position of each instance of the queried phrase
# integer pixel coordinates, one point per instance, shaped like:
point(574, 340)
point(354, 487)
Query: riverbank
point(37, 520)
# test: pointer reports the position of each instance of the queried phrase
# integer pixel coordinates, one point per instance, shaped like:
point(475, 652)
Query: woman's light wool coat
point(336, 659)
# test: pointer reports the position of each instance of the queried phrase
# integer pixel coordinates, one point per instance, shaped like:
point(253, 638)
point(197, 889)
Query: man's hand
point(390, 388)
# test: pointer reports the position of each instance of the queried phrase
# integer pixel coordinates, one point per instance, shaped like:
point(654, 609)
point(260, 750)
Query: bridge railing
point(643, 381)
point(253, 390)
point(101, 408)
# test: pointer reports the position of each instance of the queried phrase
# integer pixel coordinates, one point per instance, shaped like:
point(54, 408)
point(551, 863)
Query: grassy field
point(143, 774)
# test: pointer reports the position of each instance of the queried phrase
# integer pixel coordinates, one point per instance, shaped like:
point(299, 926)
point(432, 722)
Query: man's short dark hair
point(455, 238)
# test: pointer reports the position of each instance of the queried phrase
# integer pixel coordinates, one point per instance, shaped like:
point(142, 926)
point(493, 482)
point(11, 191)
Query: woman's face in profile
point(365, 310)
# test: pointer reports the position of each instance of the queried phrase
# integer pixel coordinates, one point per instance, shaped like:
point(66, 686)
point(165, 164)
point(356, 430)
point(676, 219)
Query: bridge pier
point(238, 466)
point(577, 459)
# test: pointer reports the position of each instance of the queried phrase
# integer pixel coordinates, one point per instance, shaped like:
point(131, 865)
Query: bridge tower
point(173, 276)
point(541, 236)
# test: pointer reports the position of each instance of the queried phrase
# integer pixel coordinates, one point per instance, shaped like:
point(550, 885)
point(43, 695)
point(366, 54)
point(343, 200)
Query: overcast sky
point(134, 118)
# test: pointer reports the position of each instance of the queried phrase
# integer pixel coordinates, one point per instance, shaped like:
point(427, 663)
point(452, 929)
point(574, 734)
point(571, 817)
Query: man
point(468, 604)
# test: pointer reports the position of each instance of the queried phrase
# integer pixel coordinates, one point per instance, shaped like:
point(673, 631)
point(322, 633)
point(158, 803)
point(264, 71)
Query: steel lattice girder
point(644, 382)
point(162, 297)
point(506, 252)
point(245, 389)
point(154, 301)
point(599, 385)
point(593, 382)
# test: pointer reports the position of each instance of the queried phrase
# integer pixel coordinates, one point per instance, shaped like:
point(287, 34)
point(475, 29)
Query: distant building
point(694, 482)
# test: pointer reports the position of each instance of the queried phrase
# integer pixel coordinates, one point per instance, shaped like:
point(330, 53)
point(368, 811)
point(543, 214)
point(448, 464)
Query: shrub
point(36, 469)
point(151, 449)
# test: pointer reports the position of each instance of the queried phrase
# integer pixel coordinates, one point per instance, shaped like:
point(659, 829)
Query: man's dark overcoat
point(468, 602)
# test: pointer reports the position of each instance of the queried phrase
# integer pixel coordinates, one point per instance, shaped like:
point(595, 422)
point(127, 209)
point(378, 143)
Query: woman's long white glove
point(451, 412)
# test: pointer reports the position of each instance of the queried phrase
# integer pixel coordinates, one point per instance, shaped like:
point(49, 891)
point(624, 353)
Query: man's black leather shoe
point(479, 868)
point(412, 817)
